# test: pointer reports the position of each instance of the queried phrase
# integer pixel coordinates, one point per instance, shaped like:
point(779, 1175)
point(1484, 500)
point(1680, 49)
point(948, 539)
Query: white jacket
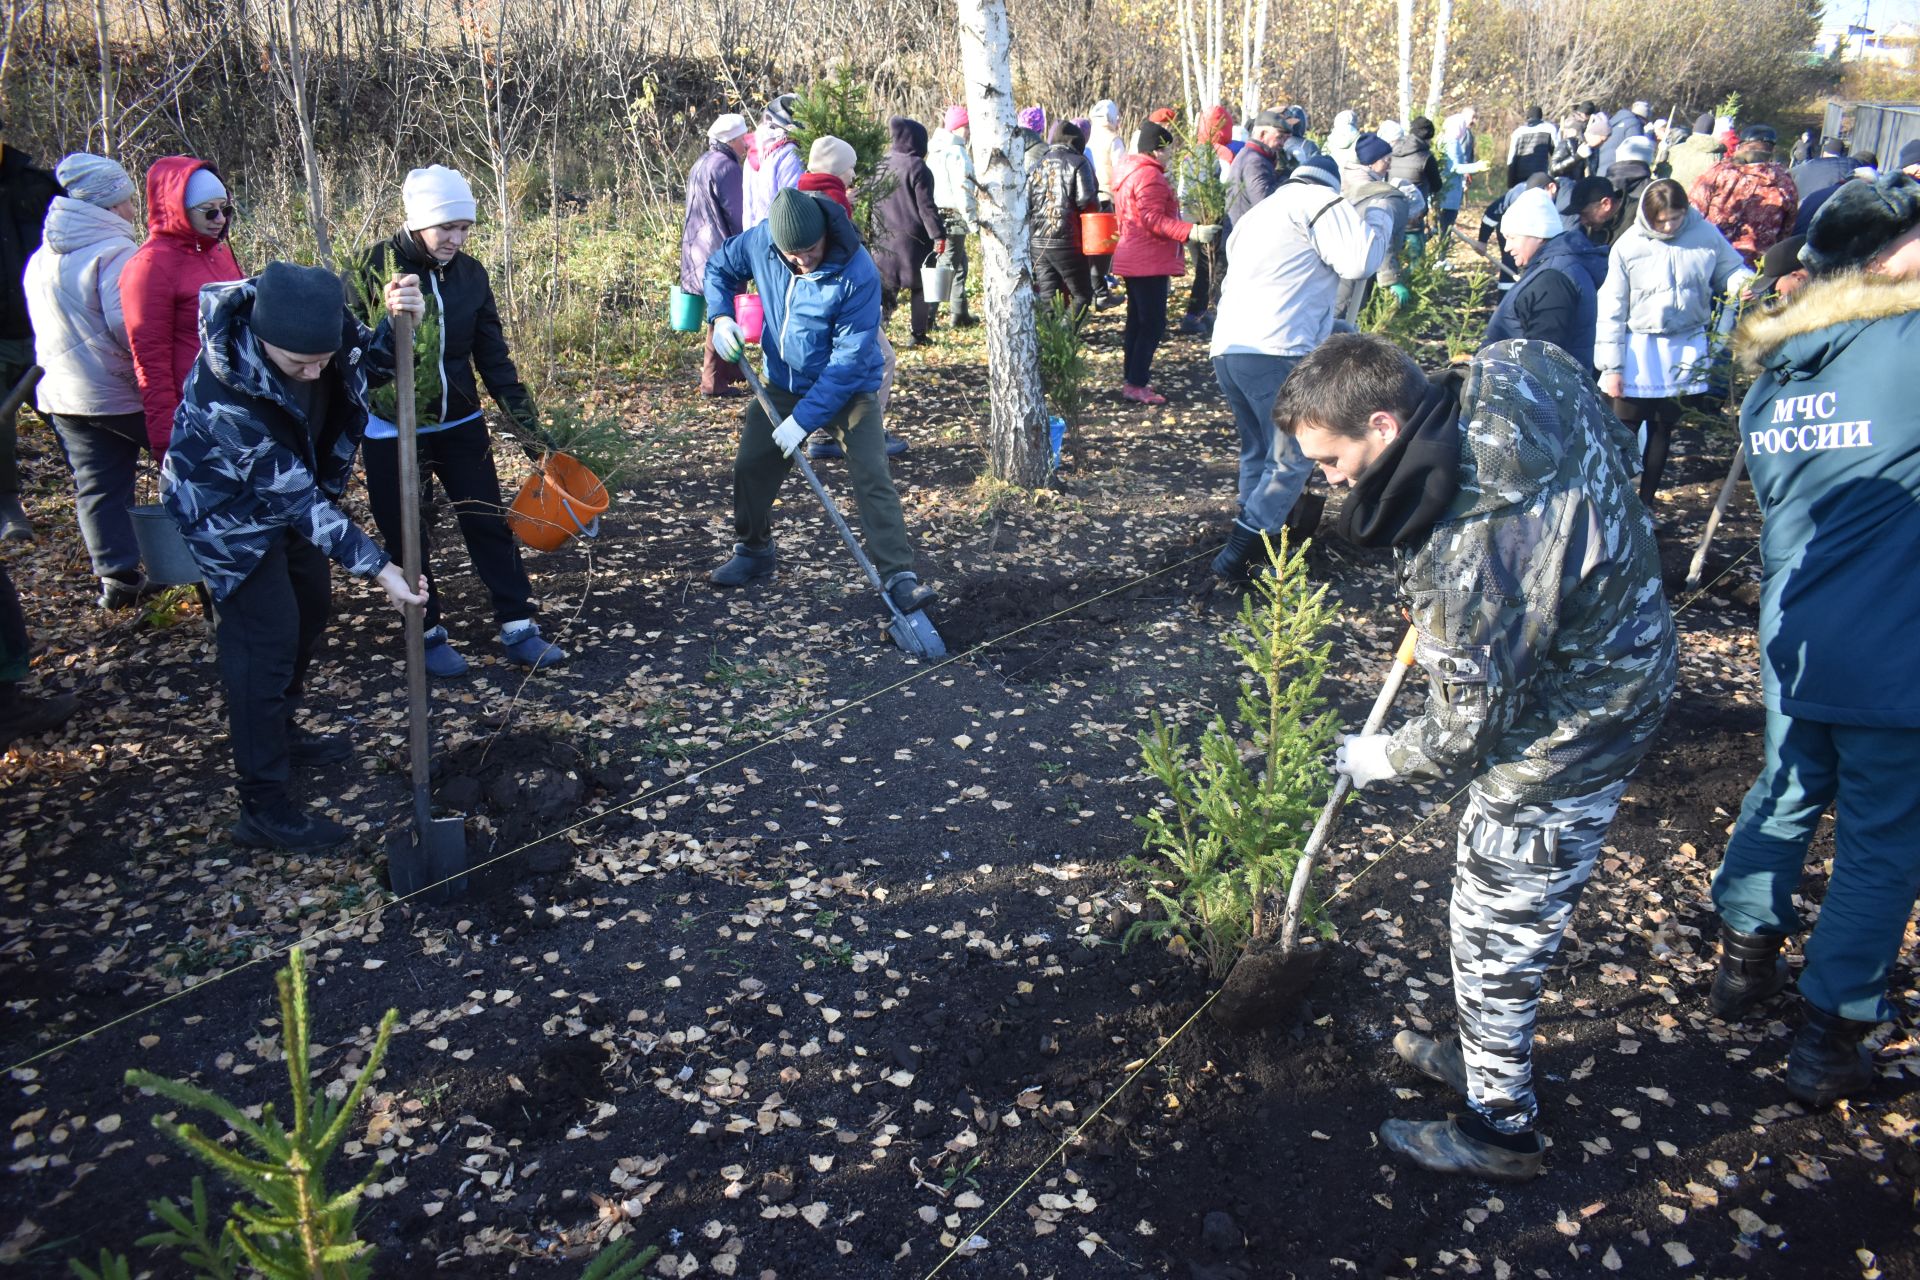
point(1107, 149)
point(73, 296)
point(954, 186)
point(1285, 260)
point(1663, 285)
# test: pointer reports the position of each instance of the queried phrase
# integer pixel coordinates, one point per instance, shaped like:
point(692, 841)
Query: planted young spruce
point(1238, 810)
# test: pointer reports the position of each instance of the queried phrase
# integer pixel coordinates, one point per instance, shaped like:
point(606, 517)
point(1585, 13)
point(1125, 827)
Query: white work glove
point(729, 340)
point(1206, 233)
point(1363, 757)
point(788, 435)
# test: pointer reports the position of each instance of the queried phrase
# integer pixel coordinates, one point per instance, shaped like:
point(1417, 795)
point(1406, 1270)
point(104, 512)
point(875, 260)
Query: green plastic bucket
point(688, 310)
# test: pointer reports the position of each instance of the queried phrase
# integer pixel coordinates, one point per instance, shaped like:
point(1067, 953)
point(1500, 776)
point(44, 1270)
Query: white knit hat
point(831, 155)
point(727, 128)
point(1390, 131)
point(1635, 149)
point(95, 179)
point(436, 195)
point(1532, 213)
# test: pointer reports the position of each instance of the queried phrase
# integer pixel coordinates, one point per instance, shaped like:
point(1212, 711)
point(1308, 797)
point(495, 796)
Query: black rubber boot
point(14, 525)
point(1752, 970)
point(1243, 544)
point(1827, 1061)
point(908, 593)
point(25, 716)
point(748, 563)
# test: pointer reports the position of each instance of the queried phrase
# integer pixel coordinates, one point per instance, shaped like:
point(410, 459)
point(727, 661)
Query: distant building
point(1895, 46)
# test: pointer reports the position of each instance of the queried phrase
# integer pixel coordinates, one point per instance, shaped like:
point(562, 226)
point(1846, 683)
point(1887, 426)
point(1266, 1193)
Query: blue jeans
point(104, 455)
point(1273, 471)
point(1868, 775)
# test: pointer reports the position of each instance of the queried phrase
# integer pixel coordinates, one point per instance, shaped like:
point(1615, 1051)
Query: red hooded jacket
point(160, 290)
point(1216, 127)
point(828, 185)
point(1151, 229)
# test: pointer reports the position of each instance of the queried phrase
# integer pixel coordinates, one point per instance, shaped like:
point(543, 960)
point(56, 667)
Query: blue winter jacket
point(1556, 299)
point(1832, 439)
point(246, 467)
point(822, 331)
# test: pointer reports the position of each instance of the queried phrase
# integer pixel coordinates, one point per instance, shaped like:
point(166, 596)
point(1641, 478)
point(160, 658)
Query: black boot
point(748, 564)
point(24, 716)
point(1242, 545)
point(1827, 1061)
point(14, 525)
point(286, 826)
point(1751, 970)
point(908, 593)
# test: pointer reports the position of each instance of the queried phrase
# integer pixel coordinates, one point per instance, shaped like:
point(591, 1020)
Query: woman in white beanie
point(713, 216)
point(80, 339)
point(460, 335)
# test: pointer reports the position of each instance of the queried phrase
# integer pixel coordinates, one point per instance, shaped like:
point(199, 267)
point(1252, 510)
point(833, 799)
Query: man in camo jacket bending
point(1506, 490)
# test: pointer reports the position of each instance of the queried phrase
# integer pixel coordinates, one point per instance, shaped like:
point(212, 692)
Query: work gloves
point(940, 248)
point(729, 340)
point(788, 435)
point(1363, 757)
point(1206, 233)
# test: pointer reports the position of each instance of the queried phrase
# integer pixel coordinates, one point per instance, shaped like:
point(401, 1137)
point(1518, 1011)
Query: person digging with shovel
point(262, 450)
point(1505, 488)
point(821, 294)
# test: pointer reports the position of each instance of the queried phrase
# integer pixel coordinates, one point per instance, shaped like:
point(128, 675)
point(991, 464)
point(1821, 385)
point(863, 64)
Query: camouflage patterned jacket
point(1752, 201)
point(244, 465)
point(1542, 623)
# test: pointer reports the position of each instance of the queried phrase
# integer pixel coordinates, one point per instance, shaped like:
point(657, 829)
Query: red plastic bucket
point(749, 314)
point(1099, 233)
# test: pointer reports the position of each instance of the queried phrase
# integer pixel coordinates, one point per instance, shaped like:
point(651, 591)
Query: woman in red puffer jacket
point(189, 216)
point(1150, 253)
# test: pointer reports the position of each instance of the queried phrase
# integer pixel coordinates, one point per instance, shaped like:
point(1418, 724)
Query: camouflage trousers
point(1517, 877)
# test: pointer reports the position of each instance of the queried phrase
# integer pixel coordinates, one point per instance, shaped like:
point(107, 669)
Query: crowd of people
point(1515, 487)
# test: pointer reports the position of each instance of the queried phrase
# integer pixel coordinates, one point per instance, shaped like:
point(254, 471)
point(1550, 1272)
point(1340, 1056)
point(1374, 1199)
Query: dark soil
point(823, 960)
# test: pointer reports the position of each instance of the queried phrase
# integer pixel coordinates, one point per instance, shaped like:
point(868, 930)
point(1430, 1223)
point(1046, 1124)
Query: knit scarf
point(1398, 499)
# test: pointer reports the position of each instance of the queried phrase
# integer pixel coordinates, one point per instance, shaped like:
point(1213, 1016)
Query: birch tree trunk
point(1437, 78)
point(1017, 447)
point(1406, 62)
point(1253, 52)
point(106, 75)
point(309, 153)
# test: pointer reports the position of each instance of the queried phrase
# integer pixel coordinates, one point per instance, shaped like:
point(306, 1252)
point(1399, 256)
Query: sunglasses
point(222, 211)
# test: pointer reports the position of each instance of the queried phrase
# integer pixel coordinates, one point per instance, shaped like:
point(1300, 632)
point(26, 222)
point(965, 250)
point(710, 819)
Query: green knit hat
point(796, 220)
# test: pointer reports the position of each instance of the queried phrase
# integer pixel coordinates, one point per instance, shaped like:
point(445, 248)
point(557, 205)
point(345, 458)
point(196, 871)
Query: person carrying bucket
point(261, 451)
point(460, 334)
point(1506, 491)
point(822, 297)
point(713, 214)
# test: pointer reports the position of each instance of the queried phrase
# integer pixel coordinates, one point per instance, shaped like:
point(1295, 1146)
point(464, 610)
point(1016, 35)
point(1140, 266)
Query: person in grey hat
point(820, 335)
point(262, 449)
point(25, 194)
point(1829, 429)
point(80, 339)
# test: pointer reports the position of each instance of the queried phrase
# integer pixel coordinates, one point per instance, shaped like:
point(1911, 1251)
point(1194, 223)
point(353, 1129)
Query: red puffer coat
point(160, 291)
point(1151, 229)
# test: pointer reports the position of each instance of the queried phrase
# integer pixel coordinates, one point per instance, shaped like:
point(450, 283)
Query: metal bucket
point(163, 548)
point(936, 281)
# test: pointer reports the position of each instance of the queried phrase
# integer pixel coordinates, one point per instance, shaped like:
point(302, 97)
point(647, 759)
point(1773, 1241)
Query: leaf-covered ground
point(799, 958)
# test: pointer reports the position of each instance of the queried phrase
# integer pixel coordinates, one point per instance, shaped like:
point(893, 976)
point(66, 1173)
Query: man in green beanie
point(821, 297)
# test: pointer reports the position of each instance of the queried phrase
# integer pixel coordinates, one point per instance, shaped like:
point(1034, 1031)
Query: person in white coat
point(1285, 261)
point(1107, 149)
point(80, 339)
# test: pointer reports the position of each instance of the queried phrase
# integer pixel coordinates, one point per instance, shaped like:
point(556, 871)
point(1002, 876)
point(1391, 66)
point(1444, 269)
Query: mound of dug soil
point(513, 789)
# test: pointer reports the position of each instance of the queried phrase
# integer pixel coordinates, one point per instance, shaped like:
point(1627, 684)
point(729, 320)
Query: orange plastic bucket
point(564, 501)
point(1099, 233)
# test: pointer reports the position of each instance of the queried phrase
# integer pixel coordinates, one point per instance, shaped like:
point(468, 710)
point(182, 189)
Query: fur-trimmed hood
point(1785, 335)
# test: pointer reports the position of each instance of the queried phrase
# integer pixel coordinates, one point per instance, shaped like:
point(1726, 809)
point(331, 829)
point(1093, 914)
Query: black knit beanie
point(298, 309)
point(796, 221)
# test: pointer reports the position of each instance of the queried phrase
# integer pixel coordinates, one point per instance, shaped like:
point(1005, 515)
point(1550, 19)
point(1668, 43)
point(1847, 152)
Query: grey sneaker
point(1440, 1060)
point(1440, 1147)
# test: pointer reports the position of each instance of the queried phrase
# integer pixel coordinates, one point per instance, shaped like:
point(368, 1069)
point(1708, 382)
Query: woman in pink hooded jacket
point(1150, 253)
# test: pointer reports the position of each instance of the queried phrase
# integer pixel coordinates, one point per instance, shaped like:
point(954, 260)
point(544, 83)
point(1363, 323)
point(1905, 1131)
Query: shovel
point(21, 390)
point(911, 631)
point(1697, 567)
point(1265, 981)
point(434, 863)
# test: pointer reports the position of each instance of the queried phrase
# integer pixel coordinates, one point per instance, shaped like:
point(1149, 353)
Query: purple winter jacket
point(907, 216)
point(713, 213)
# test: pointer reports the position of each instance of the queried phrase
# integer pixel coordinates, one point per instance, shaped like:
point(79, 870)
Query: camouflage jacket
point(244, 466)
point(1752, 202)
point(1541, 620)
